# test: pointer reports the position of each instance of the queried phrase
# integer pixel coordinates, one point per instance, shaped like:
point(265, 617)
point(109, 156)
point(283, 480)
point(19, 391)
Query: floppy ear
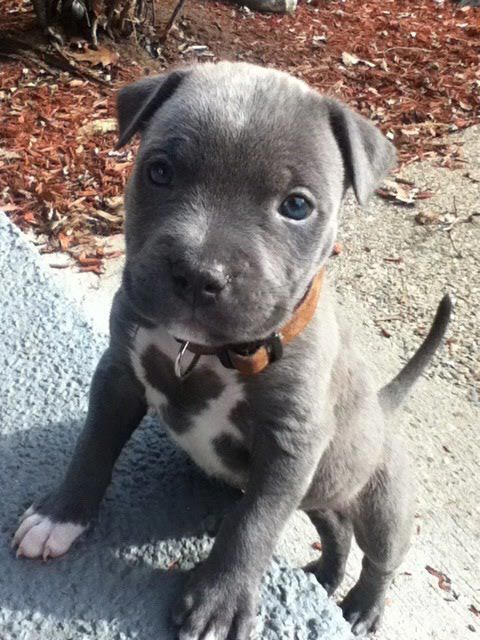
point(137, 102)
point(367, 154)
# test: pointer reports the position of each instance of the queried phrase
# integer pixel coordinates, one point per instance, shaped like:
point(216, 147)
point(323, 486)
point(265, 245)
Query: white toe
point(61, 538)
point(30, 511)
point(33, 542)
point(26, 523)
point(39, 537)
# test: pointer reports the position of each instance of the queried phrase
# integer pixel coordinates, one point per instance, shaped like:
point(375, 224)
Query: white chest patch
point(204, 418)
point(209, 425)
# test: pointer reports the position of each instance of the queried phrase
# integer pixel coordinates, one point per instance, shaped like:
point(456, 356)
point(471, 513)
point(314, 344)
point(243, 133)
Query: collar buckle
point(225, 359)
point(274, 347)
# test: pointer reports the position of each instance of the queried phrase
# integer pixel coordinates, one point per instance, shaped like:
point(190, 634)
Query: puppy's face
point(232, 206)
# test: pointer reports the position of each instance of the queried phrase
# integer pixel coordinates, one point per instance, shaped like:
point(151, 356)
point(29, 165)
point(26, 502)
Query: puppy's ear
point(367, 154)
point(137, 102)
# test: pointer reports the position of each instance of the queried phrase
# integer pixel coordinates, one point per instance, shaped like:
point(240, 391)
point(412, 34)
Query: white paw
point(39, 537)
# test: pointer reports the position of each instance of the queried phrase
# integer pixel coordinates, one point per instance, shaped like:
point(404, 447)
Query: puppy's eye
point(296, 207)
point(160, 172)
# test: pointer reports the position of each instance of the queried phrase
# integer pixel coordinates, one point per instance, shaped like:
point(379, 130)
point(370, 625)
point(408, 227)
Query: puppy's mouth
point(208, 338)
point(195, 334)
point(238, 325)
point(211, 336)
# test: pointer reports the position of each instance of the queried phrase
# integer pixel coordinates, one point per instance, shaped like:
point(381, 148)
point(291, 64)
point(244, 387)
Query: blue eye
point(160, 172)
point(296, 208)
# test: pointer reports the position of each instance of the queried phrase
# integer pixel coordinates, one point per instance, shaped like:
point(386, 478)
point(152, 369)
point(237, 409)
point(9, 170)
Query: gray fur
point(210, 259)
point(393, 394)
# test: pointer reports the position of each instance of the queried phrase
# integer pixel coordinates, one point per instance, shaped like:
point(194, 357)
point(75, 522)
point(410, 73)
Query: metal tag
point(179, 372)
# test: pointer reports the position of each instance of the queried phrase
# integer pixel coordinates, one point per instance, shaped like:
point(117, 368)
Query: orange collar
point(250, 362)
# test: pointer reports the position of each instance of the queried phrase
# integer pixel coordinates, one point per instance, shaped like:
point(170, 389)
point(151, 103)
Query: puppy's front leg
point(220, 600)
point(116, 406)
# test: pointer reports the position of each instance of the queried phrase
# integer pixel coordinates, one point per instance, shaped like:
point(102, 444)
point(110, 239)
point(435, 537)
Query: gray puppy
point(232, 212)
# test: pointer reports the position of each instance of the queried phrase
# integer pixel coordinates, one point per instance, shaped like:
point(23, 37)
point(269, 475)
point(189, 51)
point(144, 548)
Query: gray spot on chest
point(241, 417)
point(233, 453)
point(185, 398)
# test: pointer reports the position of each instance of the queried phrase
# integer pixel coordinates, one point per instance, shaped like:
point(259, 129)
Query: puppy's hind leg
point(382, 519)
point(335, 529)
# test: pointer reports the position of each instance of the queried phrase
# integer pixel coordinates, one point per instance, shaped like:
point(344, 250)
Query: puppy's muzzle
point(198, 285)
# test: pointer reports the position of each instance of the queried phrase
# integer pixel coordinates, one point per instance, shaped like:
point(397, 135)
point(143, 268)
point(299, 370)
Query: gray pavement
point(119, 581)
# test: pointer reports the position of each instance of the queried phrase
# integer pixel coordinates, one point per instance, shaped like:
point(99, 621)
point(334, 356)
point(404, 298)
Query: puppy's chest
point(206, 414)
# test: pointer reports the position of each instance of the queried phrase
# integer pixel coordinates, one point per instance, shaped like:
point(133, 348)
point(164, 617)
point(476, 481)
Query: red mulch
point(411, 66)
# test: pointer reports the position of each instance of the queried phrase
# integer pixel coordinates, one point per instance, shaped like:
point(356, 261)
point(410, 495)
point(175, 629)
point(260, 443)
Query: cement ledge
point(119, 581)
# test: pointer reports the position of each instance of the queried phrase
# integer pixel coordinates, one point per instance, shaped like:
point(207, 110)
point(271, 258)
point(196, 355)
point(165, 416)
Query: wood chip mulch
point(413, 67)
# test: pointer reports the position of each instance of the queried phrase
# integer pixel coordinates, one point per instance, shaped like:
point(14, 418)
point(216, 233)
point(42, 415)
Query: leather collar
point(250, 359)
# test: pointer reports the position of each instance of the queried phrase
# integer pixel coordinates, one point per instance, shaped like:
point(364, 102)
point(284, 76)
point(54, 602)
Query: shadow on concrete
point(126, 570)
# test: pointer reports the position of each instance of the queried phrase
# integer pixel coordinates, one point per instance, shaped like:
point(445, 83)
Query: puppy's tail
point(392, 395)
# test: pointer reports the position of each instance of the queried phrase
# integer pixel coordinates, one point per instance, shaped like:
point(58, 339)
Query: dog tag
point(179, 371)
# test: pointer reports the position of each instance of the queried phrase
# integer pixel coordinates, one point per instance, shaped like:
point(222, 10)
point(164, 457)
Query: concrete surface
point(390, 276)
point(441, 421)
point(118, 583)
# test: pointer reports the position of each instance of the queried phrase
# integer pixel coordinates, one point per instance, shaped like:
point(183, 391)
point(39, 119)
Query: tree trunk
point(117, 17)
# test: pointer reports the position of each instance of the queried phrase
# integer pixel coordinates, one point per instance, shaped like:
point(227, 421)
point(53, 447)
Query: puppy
point(226, 324)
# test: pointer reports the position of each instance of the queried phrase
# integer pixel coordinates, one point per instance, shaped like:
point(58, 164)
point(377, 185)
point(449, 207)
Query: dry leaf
point(114, 203)
point(92, 269)
point(45, 193)
point(5, 154)
point(100, 126)
point(426, 217)
point(111, 255)
point(64, 241)
point(337, 249)
point(104, 215)
point(103, 56)
point(89, 262)
point(444, 581)
point(9, 207)
point(349, 59)
point(423, 195)
point(398, 193)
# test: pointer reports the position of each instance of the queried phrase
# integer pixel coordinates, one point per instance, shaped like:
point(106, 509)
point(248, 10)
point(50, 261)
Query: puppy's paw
point(39, 537)
point(363, 611)
point(215, 609)
point(329, 577)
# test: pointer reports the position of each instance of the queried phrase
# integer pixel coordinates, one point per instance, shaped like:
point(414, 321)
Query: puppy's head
point(233, 203)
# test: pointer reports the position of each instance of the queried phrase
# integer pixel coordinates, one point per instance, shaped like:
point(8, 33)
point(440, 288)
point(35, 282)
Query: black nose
point(198, 285)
